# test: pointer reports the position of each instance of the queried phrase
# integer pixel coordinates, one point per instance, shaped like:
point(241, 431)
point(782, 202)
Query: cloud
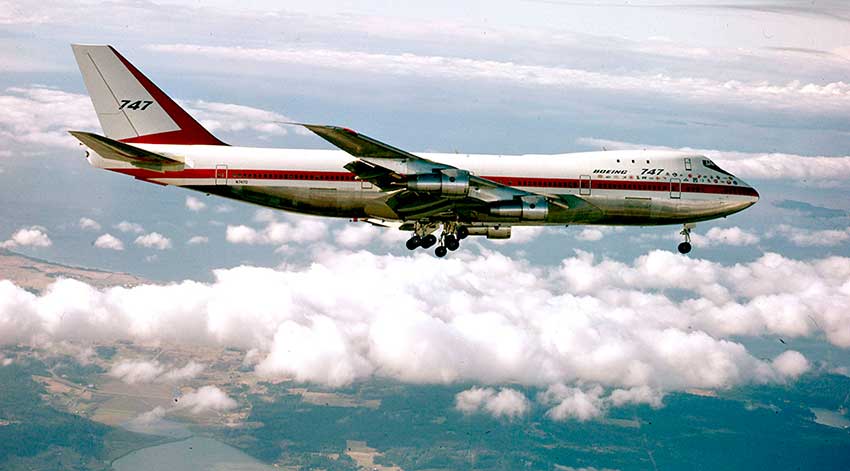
point(363, 234)
point(507, 403)
point(33, 236)
point(734, 236)
point(235, 118)
point(590, 234)
point(194, 204)
point(197, 240)
point(145, 372)
point(635, 330)
point(789, 95)
point(573, 403)
point(521, 235)
point(206, 398)
point(108, 241)
point(154, 240)
point(301, 229)
point(126, 226)
point(791, 364)
point(805, 237)
point(89, 224)
point(187, 372)
point(765, 166)
point(132, 372)
point(30, 116)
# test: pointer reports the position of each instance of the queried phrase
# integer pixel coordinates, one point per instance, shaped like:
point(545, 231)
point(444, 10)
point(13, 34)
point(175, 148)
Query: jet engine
point(527, 208)
point(448, 183)
point(500, 232)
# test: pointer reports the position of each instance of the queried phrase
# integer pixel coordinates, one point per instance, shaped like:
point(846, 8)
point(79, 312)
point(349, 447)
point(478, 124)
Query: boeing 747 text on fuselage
point(440, 198)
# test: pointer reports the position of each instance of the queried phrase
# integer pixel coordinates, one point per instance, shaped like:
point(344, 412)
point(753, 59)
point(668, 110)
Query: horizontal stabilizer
point(116, 150)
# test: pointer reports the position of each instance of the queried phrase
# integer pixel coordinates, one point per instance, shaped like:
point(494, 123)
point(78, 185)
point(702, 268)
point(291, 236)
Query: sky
point(597, 316)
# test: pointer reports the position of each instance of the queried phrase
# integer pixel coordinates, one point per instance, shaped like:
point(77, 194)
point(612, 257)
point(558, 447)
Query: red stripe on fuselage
point(190, 132)
point(524, 182)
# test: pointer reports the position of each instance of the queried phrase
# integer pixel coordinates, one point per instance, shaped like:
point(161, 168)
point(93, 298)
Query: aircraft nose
point(752, 193)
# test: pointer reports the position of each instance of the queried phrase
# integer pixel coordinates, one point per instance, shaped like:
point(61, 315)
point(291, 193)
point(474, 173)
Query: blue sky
point(760, 86)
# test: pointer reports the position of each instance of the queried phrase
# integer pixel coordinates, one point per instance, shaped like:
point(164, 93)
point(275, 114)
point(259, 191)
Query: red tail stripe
point(190, 132)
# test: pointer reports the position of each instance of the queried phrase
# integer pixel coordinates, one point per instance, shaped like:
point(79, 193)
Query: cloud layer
point(349, 316)
point(792, 94)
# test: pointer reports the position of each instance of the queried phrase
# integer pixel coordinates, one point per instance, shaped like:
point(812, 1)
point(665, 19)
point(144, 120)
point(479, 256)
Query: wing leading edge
point(410, 177)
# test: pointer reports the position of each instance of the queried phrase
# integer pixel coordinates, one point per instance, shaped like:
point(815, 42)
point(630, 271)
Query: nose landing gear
point(685, 246)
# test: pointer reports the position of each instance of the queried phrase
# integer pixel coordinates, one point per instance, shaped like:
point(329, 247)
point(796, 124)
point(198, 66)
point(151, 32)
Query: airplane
point(441, 198)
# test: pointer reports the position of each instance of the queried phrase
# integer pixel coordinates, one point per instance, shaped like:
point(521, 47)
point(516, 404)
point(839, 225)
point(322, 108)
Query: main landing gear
point(450, 237)
point(685, 246)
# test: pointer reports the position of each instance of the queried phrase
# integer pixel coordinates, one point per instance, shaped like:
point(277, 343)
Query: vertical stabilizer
point(129, 106)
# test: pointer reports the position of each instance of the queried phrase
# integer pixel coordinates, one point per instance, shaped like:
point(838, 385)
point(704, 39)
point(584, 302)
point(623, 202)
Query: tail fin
point(129, 106)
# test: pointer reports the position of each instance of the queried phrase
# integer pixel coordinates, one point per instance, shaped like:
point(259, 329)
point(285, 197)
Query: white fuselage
point(619, 187)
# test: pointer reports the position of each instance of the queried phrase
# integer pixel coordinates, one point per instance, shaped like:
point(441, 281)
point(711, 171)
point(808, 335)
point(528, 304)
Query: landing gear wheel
point(428, 241)
point(462, 232)
point(685, 246)
point(440, 251)
point(451, 242)
point(413, 243)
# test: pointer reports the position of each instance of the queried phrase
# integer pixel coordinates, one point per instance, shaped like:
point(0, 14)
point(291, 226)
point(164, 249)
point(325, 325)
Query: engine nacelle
point(501, 232)
point(527, 208)
point(448, 183)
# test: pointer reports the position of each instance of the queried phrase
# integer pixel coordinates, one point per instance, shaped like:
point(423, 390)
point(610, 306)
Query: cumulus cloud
point(573, 403)
point(194, 204)
point(734, 236)
point(89, 224)
point(582, 324)
point(359, 234)
point(133, 371)
point(33, 236)
point(185, 373)
point(144, 372)
point(197, 240)
point(109, 241)
point(507, 403)
point(788, 95)
point(590, 234)
point(521, 235)
point(294, 229)
point(206, 398)
point(30, 116)
point(126, 226)
point(805, 237)
point(154, 240)
point(791, 364)
point(234, 118)
point(768, 166)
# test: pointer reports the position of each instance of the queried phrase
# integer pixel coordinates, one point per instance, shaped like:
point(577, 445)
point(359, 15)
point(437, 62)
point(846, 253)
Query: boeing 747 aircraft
point(440, 198)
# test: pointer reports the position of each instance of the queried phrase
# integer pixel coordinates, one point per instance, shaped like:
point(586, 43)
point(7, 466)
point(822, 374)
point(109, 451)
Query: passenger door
point(221, 174)
point(675, 188)
point(584, 185)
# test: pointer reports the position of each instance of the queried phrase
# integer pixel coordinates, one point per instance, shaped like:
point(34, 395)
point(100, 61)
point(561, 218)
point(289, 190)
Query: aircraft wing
point(117, 150)
point(408, 176)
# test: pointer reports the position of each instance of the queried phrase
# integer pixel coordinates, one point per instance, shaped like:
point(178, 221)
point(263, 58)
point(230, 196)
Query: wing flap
point(116, 150)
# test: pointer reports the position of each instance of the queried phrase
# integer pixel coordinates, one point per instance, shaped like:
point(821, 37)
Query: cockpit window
point(713, 166)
